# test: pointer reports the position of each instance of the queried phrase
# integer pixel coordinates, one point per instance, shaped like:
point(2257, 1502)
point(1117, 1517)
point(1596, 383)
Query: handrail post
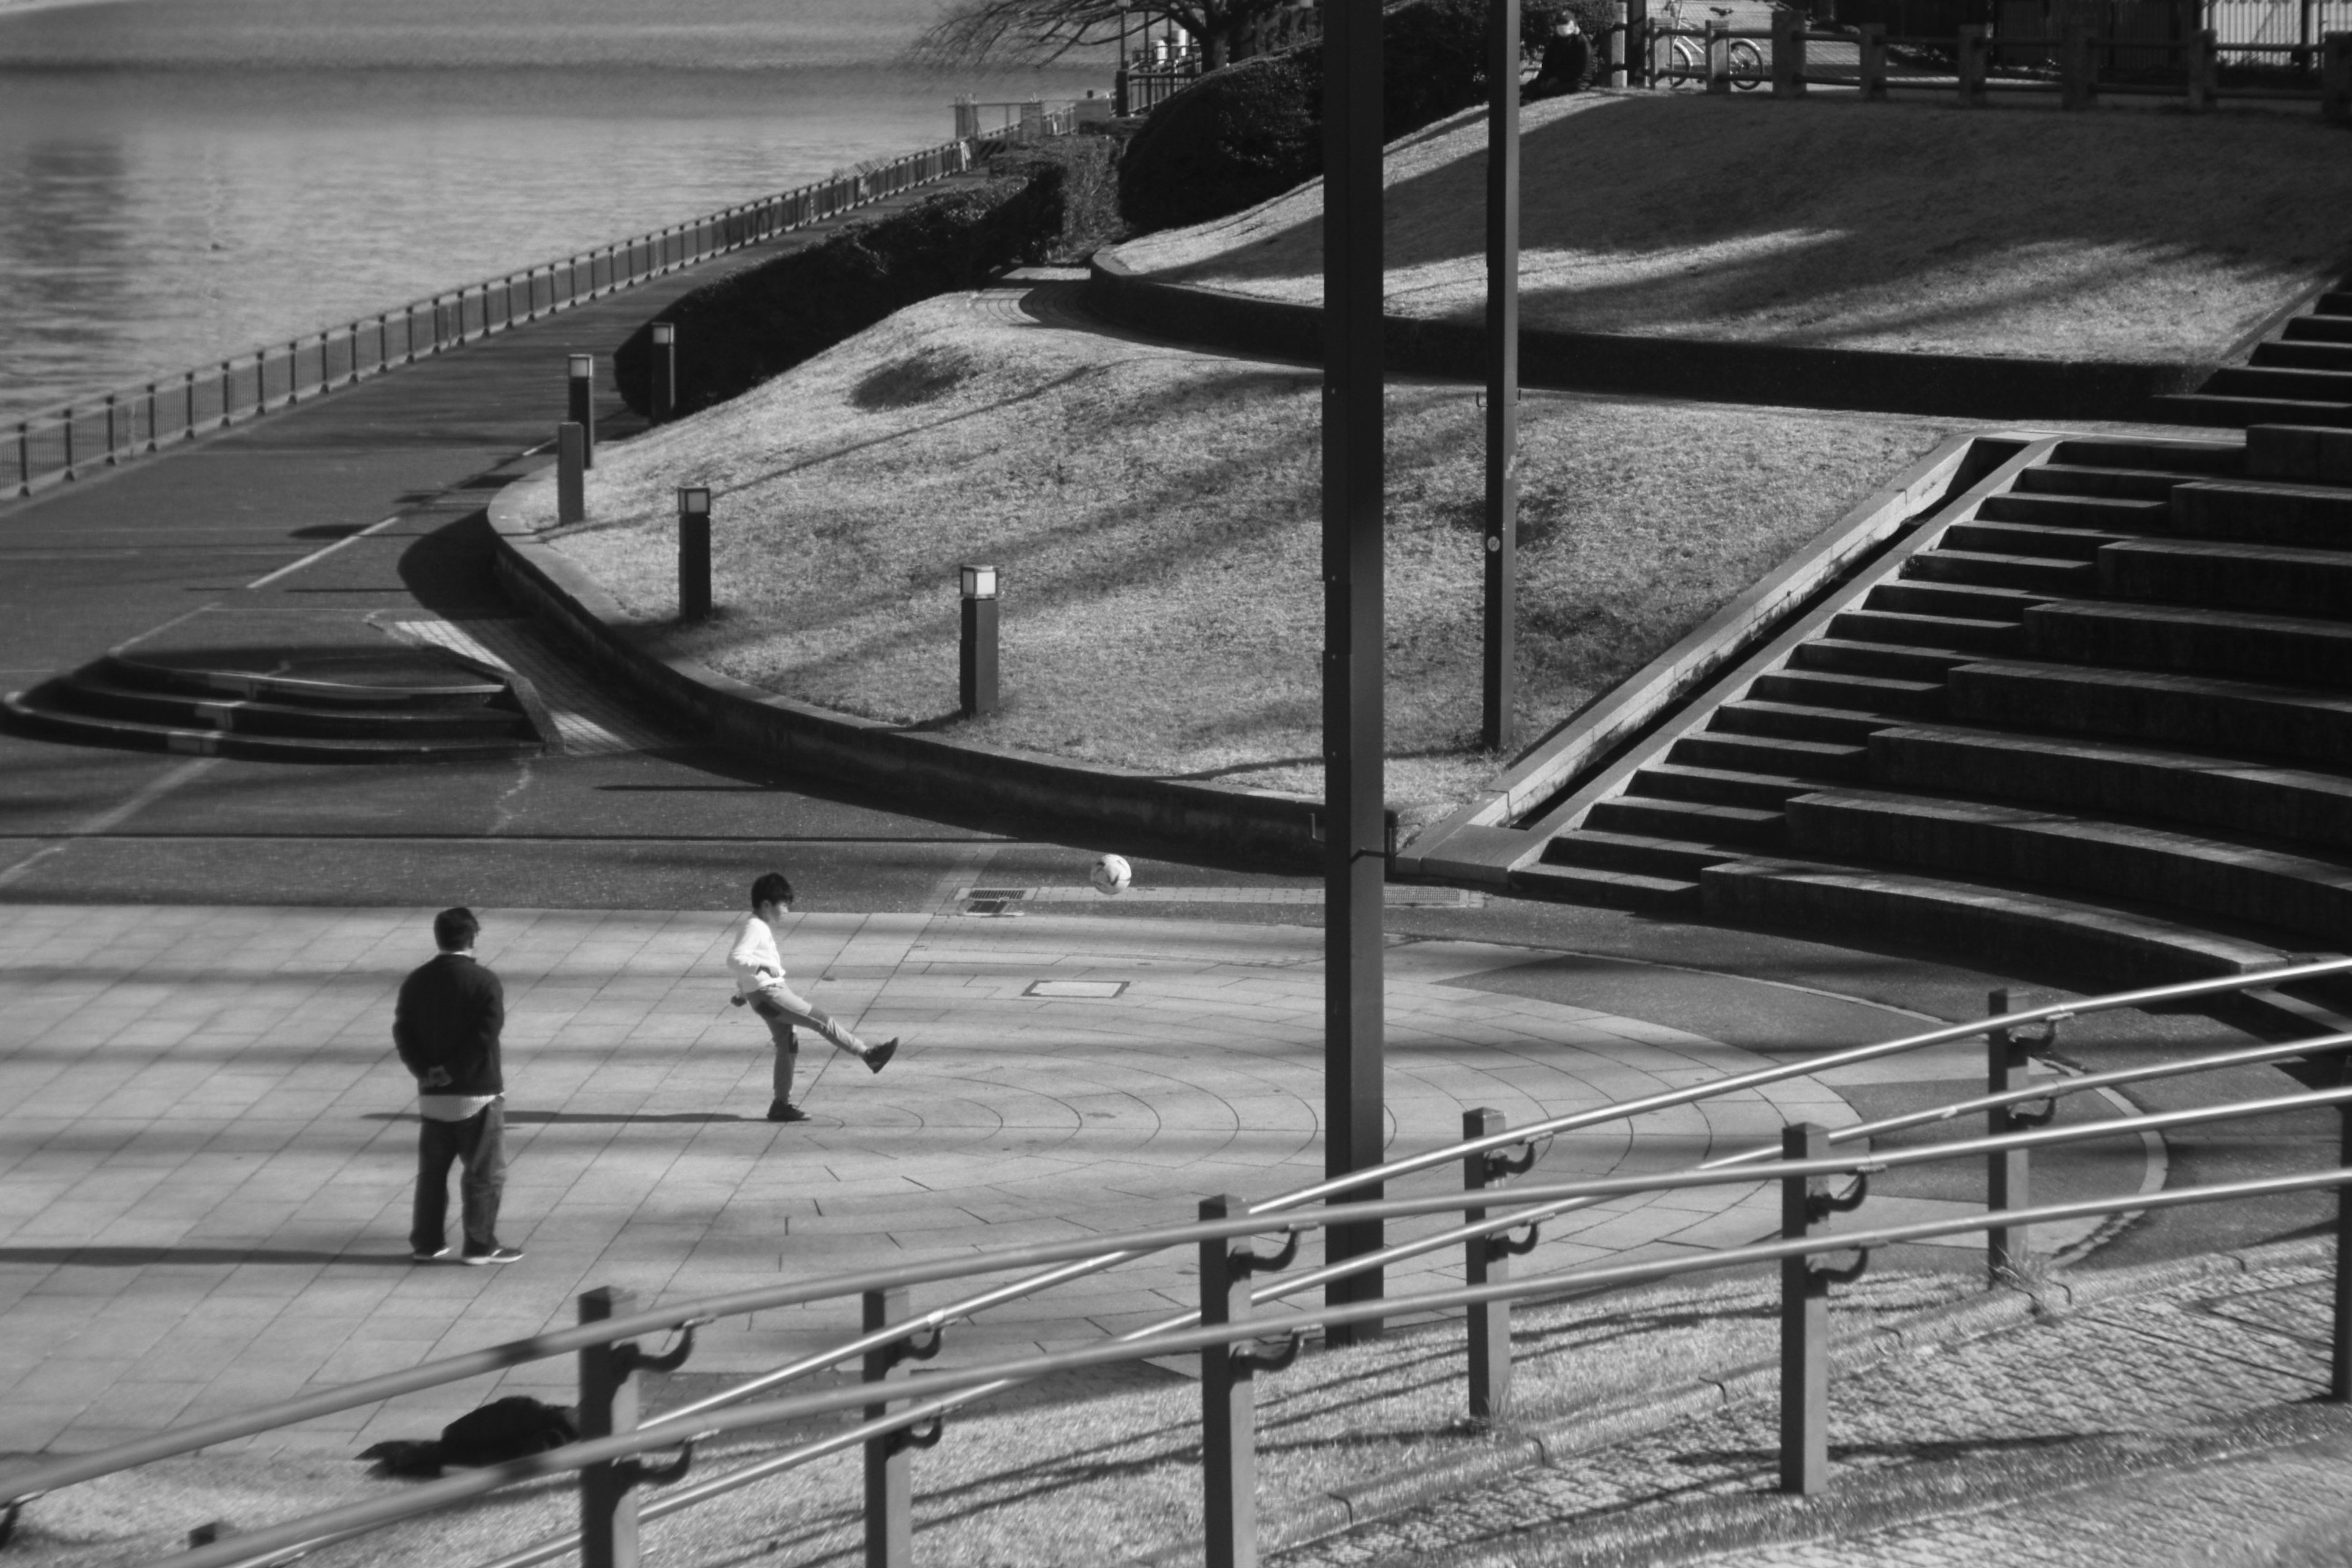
point(1485, 1261)
point(228, 390)
point(608, 1408)
point(2339, 1377)
point(110, 441)
point(889, 1474)
point(1788, 54)
point(24, 457)
point(150, 419)
point(293, 371)
point(1718, 56)
point(188, 420)
point(1871, 46)
point(1228, 1401)
point(2008, 1174)
point(69, 451)
point(1804, 1326)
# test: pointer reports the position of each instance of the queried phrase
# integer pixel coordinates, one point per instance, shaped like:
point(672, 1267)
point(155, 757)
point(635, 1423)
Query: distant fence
point(112, 428)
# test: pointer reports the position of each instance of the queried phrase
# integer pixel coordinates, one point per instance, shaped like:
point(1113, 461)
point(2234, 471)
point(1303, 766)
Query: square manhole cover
point(1076, 990)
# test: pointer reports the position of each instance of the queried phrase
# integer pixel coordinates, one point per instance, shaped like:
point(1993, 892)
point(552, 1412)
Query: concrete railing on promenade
point(103, 431)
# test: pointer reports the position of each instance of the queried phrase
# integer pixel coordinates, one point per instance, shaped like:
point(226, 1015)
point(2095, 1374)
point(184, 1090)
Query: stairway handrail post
point(1804, 1326)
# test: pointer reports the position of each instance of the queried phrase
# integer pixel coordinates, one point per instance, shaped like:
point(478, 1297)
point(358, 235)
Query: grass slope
point(1156, 516)
point(2124, 234)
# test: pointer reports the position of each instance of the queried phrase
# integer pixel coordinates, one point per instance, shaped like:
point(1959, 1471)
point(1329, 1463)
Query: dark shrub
point(1250, 131)
point(743, 328)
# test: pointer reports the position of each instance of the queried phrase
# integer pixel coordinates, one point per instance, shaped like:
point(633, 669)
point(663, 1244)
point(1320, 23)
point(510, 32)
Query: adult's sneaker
point(879, 1056)
point(778, 1110)
point(436, 1256)
point(473, 1259)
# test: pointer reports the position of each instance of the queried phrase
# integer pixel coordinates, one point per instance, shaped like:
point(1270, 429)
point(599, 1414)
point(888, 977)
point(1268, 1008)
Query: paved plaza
point(208, 1144)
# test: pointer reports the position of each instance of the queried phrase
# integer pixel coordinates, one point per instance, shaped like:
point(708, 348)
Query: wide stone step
point(1781, 754)
point(1799, 721)
point(2238, 643)
point(1647, 854)
point(2113, 513)
point(1909, 629)
point(2017, 930)
point(2302, 455)
point(1890, 661)
point(19, 717)
point(1869, 693)
point(101, 698)
point(2214, 408)
point(1958, 600)
point(2273, 577)
point(2318, 330)
point(2234, 717)
point(1687, 821)
point(1719, 786)
point(2300, 354)
point(2087, 857)
point(2022, 540)
point(2104, 778)
point(2182, 457)
point(2303, 385)
point(2032, 573)
point(2076, 479)
point(1600, 888)
point(2247, 511)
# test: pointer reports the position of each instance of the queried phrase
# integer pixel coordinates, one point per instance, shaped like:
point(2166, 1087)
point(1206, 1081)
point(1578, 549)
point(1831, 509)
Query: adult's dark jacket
point(450, 1014)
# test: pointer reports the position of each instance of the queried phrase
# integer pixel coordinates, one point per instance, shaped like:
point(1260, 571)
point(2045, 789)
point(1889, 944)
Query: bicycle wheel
point(1747, 66)
point(1685, 63)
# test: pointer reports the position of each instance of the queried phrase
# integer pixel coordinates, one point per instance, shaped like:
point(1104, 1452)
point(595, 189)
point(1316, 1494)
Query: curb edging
point(1220, 822)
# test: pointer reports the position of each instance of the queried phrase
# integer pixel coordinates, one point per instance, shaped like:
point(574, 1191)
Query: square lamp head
point(694, 500)
point(583, 366)
point(979, 582)
point(664, 334)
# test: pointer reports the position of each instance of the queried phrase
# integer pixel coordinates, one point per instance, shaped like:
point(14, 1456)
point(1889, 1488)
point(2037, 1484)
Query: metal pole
point(1228, 1401)
point(1499, 728)
point(151, 418)
point(110, 431)
point(1804, 1326)
point(608, 1408)
point(1486, 1262)
point(2339, 1377)
point(188, 424)
point(890, 1469)
point(2007, 1174)
point(1354, 845)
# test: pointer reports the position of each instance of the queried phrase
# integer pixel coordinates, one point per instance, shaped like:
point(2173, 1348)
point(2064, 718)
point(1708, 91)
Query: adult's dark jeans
point(479, 1142)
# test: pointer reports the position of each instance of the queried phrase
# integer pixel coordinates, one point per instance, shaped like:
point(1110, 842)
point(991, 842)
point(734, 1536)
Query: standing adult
point(758, 971)
point(446, 1027)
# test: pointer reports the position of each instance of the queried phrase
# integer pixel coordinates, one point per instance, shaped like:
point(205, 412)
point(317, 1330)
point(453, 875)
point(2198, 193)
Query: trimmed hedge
point(741, 329)
point(1249, 132)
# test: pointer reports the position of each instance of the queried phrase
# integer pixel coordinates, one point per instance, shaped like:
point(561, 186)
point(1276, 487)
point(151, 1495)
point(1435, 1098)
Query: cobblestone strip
point(2154, 1367)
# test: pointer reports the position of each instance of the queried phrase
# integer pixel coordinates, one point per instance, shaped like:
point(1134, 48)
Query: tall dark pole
point(1498, 727)
point(1355, 847)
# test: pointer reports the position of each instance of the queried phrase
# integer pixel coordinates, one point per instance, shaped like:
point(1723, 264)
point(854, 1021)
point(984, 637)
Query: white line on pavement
point(324, 552)
point(115, 816)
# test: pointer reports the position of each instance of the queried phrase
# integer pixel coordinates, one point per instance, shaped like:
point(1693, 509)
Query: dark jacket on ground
point(450, 1014)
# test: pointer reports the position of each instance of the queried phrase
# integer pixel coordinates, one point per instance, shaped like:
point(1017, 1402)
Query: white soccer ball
point(1111, 875)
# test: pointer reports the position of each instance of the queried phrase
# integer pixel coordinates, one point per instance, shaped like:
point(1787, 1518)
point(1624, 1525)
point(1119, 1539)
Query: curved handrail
point(432, 1495)
point(33, 1481)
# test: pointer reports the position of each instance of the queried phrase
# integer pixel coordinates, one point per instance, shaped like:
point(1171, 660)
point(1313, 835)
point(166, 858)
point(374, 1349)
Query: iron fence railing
point(102, 431)
point(1490, 1208)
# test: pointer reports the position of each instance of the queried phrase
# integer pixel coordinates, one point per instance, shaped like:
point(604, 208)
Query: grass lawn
point(1041, 1478)
point(1155, 514)
point(2124, 233)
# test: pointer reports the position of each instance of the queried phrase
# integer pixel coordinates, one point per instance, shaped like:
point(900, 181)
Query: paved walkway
point(207, 1150)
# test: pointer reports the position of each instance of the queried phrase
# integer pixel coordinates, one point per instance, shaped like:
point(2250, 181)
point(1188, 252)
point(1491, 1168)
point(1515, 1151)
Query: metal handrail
point(1524, 1201)
point(432, 1495)
point(138, 420)
point(1106, 1254)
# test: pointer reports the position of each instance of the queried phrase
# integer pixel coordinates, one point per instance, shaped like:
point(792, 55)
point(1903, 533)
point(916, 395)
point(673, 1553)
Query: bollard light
point(693, 551)
point(977, 647)
point(581, 407)
point(571, 482)
point(663, 401)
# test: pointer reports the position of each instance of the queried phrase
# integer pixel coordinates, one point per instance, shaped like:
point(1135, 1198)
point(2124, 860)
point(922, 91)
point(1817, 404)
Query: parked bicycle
point(1681, 60)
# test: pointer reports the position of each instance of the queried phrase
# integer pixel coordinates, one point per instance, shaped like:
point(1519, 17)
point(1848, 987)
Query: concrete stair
point(141, 704)
point(2301, 375)
point(2099, 723)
